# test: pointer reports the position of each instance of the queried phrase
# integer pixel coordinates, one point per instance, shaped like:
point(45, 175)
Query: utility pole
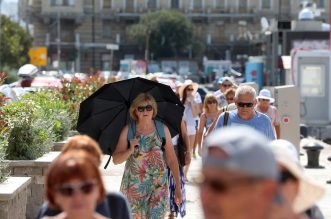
point(93, 34)
point(58, 39)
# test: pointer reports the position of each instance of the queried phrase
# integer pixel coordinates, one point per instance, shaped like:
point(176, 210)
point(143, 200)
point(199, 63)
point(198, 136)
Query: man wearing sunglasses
point(245, 115)
point(239, 175)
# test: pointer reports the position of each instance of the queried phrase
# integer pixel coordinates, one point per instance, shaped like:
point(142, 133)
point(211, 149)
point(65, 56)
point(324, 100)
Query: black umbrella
point(103, 114)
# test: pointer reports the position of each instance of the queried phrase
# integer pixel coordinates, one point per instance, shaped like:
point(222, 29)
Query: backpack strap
point(131, 130)
point(160, 131)
point(226, 118)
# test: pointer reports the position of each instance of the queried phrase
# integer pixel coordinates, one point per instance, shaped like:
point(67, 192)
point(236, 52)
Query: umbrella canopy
point(103, 115)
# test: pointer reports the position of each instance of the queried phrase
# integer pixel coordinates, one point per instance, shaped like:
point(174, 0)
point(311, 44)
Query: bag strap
point(131, 130)
point(160, 131)
point(226, 118)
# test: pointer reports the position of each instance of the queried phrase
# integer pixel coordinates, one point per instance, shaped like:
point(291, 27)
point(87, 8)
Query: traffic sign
point(38, 56)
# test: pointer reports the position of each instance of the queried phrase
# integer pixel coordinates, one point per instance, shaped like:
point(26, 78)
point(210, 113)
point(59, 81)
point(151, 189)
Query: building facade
point(76, 32)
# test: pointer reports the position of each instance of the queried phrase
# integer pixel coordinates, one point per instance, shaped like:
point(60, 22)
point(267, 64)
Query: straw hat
point(265, 94)
point(187, 83)
point(309, 192)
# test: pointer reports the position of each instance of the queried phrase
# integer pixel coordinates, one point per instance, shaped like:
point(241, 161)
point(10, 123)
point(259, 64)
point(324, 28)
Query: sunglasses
point(211, 101)
point(286, 176)
point(226, 85)
point(222, 187)
point(230, 99)
point(69, 189)
point(242, 104)
point(261, 99)
point(142, 108)
point(189, 89)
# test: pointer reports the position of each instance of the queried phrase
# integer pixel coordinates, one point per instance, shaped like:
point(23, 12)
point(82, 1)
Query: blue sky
point(9, 8)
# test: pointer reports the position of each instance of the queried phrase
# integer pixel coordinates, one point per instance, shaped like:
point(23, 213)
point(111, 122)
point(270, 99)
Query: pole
point(58, 40)
point(93, 35)
point(111, 60)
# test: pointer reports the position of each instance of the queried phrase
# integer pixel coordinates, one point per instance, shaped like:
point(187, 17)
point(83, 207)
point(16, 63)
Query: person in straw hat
point(187, 94)
point(296, 189)
point(264, 101)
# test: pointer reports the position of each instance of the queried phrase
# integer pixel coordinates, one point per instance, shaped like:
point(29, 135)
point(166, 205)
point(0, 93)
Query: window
point(197, 4)
point(106, 3)
point(320, 3)
point(151, 4)
point(266, 4)
point(174, 3)
point(62, 2)
point(106, 27)
point(242, 6)
point(220, 4)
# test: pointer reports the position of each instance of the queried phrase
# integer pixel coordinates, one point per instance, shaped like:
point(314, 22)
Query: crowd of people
point(247, 170)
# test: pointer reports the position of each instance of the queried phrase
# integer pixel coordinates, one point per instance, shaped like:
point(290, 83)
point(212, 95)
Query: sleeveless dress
point(144, 181)
point(172, 186)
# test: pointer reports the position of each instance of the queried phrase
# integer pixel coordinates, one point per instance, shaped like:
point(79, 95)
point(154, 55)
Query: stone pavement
point(113, 174)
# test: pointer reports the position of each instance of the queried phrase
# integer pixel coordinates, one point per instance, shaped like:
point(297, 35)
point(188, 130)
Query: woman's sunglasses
point(69, 189)
point(142, 108)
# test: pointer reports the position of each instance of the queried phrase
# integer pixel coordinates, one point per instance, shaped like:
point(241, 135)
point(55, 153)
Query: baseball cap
point(309, 192)
point(246, 151)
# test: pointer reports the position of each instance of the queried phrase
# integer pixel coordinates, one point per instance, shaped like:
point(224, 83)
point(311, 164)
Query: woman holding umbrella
point(145, 182)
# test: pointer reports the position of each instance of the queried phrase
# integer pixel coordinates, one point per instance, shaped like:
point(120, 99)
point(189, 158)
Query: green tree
point(164, 33)
point(14, 45)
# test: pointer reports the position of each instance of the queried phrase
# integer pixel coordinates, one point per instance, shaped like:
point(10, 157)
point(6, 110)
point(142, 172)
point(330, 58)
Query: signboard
point(38, 56)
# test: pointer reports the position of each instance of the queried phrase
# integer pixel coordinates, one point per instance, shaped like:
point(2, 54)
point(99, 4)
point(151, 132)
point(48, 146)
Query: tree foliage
point(168, 32)
point(15, 43)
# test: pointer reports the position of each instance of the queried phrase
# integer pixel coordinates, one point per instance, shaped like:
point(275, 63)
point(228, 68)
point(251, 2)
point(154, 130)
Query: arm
point(277, 128)
point(186, 141)
point(172, 162)
point(122, 152)
point(202, 124)
point(216, 123)
point(277, 123)
point(194, 106)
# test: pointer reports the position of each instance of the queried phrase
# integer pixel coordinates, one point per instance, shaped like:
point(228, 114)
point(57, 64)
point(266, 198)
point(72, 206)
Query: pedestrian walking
point(114, 205)
point(74, 185)
point(187, 93)
point(210, 114)
point(229, 97)
point(264, 101)
point(245, 99)
point(239, 175)
point(224, 84)
point(180, 142)
point(145, 180)
point(296, 188)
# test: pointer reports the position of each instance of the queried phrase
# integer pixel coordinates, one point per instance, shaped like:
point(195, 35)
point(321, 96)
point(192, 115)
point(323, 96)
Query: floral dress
point(144, 181)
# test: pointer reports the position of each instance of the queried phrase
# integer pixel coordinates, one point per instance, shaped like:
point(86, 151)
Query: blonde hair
point(142, 97)
point(231, 90)
point(207, 98)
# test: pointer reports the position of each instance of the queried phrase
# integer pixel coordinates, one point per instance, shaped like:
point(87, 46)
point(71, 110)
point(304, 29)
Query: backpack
point(159, 129)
